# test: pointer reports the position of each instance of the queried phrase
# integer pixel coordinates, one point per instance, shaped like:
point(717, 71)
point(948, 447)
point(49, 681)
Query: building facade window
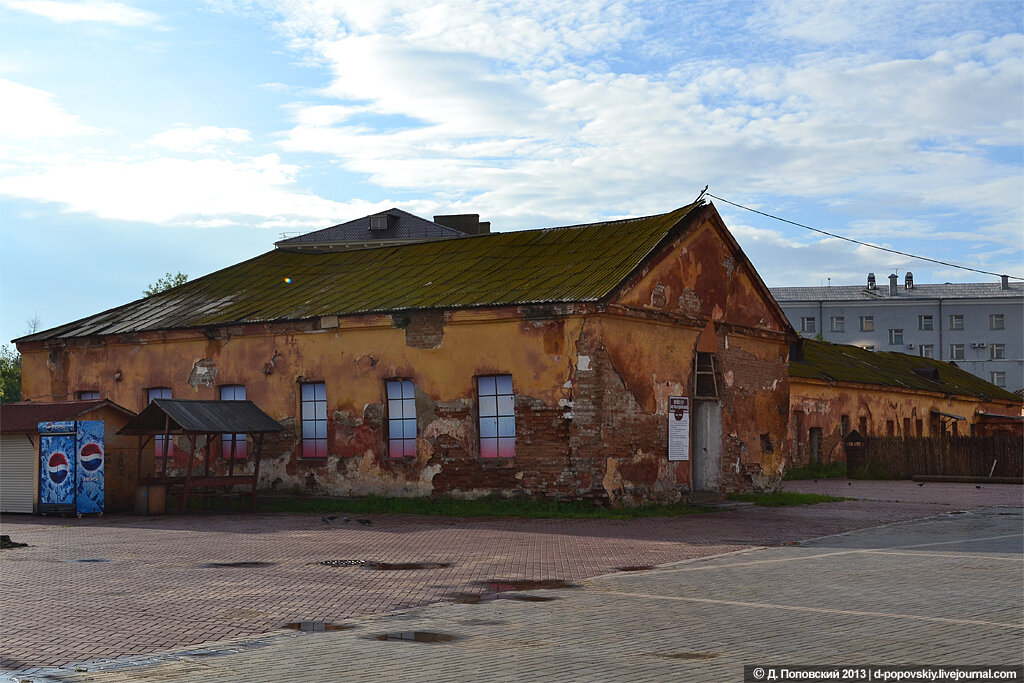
point(956, 351)
point(808, 325)
point(924, 322)
point(890, 428)
point(999, 379)
point(906, 428)
point(159, 442)
point(496, 401)
point(926, 350)
point(401, 418)
point(233, 392)
point(995, 351)
point(895, 336)
point(867, 323)
point(844, 425)
point(997, 321)
point(88, 395)
point(314, 419)
point(956, 322)
point(863, 426)
point(814, 444)
point(838, 323)
point(919, 427)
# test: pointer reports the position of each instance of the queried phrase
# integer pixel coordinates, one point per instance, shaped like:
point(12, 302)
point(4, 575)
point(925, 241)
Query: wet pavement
point(151, 597)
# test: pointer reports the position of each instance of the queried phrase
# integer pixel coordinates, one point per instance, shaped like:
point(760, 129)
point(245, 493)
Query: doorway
point(707, 446)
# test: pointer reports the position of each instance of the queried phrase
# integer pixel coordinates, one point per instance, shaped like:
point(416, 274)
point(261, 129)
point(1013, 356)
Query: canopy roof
point(204, 417)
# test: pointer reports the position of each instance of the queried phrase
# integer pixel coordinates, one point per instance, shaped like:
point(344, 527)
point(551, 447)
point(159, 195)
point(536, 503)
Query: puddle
point(91, 559)
point(503, 585)
point(405, 566)
point(635, 568)
point(316, 626)
point(418, 637)
point(341, 563)
point(688, 655)
point(237, 565)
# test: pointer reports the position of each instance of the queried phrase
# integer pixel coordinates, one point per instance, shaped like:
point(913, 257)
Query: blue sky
point(148, 136)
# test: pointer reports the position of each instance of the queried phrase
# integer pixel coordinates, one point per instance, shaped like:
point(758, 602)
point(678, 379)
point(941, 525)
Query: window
point(956, 351)
point(233, 392)
point(401, 418)
point(995, 351)
point(863, 426)
point(956, 323)
point(926, 350)
point(838, 323)
point(924, 322)
point(705, 376)
point(88, 395)
point(497, 416)
point(919, 427)
point(999, 379)
point(808, 324)
point(890, 428)
point(867, 323)
point(814, 443)
point(844, 425)
point(314, 419)
point(906, 428)
point(895, 336)
point(996, 321)
point(159, 441)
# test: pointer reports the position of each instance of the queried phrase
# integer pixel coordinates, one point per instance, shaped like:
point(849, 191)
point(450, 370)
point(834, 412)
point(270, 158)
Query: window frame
point(957, 352)
point(241, 439)
point(997, 351)
point(925, 323)
point(500, 446)
point(838, 324)
point(867, 323)
point(315, 443)
point(808, 324)
point(998, 378)
point(398, 416)
point(158, 439)
point(926, 350)
point(956, 322)
point(82, 395)
point(993, 318)
point(895, 336)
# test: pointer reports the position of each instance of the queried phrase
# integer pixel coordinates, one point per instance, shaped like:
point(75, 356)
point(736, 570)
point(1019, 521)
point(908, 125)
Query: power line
point(865, 244)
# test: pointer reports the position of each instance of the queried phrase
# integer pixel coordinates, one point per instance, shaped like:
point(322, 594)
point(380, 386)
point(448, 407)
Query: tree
point(166, 282)
point(10, 374)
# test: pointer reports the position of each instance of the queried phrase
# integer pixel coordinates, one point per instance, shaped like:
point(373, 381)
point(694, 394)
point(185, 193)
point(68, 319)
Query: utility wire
point(865, 244)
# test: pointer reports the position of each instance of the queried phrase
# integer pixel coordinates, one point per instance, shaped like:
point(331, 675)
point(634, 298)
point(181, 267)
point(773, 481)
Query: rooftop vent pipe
point(1006, 282)
point(893, 284)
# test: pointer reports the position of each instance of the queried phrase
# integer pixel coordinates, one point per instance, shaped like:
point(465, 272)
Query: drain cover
point(237, 565)
point(418, 637)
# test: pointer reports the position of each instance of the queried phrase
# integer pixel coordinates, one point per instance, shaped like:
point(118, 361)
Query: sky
point(152, 136)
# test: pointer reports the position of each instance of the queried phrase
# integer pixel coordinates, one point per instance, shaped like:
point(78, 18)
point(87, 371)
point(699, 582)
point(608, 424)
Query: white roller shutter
point(18, 473)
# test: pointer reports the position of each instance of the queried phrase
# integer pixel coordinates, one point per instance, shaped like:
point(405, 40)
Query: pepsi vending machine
point(71, 467)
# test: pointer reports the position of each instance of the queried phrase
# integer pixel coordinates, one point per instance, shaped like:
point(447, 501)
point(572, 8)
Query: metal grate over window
point(496, 401)
point(401, 418)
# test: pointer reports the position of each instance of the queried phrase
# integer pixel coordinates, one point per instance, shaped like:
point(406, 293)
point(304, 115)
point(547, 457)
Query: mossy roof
point(581, 263)
point(843, 363)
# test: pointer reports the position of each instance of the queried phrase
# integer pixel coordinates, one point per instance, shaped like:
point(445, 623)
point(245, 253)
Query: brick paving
point(152, 593)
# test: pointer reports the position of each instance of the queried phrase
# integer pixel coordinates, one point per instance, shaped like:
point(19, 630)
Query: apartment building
point(977, 325)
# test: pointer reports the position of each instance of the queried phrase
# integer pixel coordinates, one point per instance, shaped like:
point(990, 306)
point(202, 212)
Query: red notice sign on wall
point(678, 428)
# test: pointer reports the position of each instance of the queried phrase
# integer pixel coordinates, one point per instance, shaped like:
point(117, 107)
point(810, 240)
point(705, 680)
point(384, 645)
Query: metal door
point(707, 446)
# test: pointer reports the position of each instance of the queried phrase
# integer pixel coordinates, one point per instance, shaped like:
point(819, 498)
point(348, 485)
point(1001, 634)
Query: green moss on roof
point(569, 264)
point(843, 363)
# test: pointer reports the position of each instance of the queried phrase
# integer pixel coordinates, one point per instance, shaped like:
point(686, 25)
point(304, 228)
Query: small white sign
point(678, 428)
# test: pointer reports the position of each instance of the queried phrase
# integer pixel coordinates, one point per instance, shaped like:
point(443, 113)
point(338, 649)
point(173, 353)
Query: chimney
point(468, 223)
point(909, 281)
point(871, 280)
point(1006, 282)
point(893, 284)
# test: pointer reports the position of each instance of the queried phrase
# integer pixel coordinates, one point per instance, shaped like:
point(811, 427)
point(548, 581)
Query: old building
point(977, 325)
point(836, 388)
point(539, 362)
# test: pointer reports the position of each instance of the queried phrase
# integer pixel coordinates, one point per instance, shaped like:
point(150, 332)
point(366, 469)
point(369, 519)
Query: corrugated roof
point(843, 363)
point(568, 264)
point(404, 226)
point(206, 417)
point(25, 416)
point(954, 290)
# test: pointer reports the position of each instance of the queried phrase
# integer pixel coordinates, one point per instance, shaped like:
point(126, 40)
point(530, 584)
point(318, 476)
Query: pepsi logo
point(57, 468)
point(91, 457)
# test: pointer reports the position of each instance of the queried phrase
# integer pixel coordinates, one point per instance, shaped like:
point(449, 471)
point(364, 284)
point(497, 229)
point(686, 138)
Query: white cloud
point(204, 139)
point(30, 114)
point(98, 11)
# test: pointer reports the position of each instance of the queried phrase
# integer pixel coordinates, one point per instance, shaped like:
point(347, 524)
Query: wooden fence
point(965, 456)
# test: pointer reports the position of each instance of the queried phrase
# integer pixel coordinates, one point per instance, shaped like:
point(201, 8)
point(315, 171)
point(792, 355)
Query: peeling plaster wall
point(816, 404)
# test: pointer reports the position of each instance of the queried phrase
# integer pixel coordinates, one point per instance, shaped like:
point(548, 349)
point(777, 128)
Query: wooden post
point(256, 472)
point(231, 462)
point(188, 471)
point(206, 449)
point(167, 437)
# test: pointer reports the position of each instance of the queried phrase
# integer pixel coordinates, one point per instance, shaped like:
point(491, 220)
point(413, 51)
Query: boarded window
point(233, 392)
point(314, 419)
point(919, 427)
point(496, 401)
point(814, 443)
point(890, 428)
point(159, 443)
point(401, 418)
point(863, 427)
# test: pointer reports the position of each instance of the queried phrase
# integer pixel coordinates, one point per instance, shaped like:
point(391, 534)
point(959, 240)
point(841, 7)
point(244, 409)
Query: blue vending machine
point(71, 467)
